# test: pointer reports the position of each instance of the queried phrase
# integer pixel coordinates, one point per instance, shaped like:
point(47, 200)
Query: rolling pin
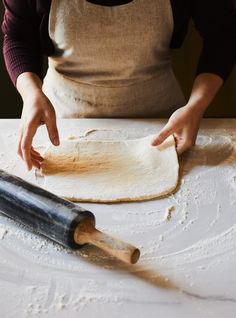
point(60, 220)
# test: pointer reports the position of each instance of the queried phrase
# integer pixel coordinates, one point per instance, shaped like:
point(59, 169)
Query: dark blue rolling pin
point(60, 220)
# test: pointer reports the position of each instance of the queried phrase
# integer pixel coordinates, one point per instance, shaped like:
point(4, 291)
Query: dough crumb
point(169, 211)
point(3, 233)
point(234, 181)
point(90, 131)
point(71, 137)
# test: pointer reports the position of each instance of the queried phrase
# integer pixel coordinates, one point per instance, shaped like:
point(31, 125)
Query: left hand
point(184, 125)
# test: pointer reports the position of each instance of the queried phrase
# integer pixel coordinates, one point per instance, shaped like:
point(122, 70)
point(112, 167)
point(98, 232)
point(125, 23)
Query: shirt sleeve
point(21, 44)
point(215, 20)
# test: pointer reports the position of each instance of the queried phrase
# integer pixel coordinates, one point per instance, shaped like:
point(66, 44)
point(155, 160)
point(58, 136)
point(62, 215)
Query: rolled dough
point(111, 171)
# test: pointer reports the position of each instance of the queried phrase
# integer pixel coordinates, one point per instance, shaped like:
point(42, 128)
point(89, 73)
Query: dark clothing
point(26, 37)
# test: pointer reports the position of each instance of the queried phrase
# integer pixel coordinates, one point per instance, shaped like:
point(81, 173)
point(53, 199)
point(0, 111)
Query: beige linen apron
point(111, 61)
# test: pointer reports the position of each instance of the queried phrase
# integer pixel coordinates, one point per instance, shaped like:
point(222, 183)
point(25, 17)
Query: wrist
point(205, 88)
point(198, 106)
point(29, 85)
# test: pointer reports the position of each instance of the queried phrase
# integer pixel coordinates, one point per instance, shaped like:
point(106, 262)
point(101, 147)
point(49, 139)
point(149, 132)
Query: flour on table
point(111, 170)
point(169, 212)
point(196, 250)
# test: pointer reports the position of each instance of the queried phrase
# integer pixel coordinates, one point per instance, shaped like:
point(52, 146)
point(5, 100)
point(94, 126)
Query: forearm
point(205, 88)
point(28, 84)
point(21, 57)
point(22, 44)
point(215, 21)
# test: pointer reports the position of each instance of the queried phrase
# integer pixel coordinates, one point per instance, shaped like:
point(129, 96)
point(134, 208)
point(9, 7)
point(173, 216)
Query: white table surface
point(188, 264)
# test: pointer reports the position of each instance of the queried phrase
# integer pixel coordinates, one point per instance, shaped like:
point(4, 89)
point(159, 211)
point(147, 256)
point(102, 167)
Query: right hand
point(37, 111)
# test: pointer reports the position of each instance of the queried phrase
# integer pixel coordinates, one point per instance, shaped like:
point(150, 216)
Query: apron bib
point(111, 61)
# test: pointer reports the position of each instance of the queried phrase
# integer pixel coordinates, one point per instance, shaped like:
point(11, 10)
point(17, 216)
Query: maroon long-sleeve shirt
point(26, 36)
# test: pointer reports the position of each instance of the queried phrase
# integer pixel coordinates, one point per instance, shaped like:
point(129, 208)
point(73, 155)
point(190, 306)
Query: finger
point(34, 151)
point(38, 158)
point(36, 164)
point(163, 134)
point(52, 130)
point(178, 137)
point(181, 149)
point(19, 152)
point(36, 155)
point(184, 144)
point(20, 133)
point(26, 144)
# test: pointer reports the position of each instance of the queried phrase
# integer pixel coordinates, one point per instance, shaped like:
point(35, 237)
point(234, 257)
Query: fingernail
point(155, 142)
point(56, 141)
point(28, 167)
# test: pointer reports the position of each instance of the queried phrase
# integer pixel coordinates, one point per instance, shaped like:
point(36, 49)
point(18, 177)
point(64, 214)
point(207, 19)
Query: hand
point(184, 125)
point(37, 111)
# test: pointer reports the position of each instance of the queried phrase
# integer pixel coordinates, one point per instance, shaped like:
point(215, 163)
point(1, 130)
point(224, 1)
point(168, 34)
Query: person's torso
point(111, 45)
point(117, 55)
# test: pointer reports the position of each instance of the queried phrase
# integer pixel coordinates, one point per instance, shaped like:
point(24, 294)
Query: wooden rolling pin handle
point(87, 233)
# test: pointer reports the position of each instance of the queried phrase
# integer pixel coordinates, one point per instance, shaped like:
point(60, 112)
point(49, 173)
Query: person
point(112, 59)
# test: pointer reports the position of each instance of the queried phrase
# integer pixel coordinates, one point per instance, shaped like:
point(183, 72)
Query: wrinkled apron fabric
point(111, 61)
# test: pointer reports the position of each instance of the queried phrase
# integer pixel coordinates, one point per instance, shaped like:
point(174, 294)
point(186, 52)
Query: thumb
point(52, 130)
point(168, 130)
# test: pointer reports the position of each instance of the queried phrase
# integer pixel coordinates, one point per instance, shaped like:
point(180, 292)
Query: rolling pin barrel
point(42, 211)
point(56, 218)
